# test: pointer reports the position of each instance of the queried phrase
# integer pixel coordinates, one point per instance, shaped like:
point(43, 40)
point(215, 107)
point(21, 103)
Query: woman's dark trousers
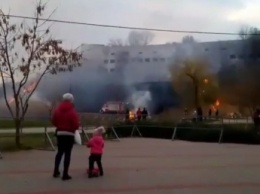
point(65, 144)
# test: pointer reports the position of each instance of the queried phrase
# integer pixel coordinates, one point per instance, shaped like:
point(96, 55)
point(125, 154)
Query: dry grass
point(28, 141)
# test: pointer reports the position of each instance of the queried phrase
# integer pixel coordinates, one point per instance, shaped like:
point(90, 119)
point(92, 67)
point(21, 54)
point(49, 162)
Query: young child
point(96, 145)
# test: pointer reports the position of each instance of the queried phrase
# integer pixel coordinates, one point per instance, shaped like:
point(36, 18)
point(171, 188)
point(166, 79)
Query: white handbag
point(78, 138)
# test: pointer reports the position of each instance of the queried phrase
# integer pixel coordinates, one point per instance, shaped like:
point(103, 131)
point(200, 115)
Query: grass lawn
point(28, 142)
point(9, 124)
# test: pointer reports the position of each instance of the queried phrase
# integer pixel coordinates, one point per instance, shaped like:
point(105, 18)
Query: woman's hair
point(68, 97)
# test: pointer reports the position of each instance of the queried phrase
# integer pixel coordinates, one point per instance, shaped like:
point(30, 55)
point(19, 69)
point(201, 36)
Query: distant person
point(66, 121)
point(144, 114)
point(256, 118)
point(127, 114)
point(194, 116)
point(217, 113)
point(210, 112)
point(199, 114)
point(139, 114)
point(185, 112)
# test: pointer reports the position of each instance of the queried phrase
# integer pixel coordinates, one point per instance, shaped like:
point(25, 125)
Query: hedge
point(232, 133)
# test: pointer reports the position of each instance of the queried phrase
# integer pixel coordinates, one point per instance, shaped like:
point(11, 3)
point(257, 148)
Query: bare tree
point(137, 38)
point(26, 50)
point(116, 42)
point(243, 32)
point(188, 39)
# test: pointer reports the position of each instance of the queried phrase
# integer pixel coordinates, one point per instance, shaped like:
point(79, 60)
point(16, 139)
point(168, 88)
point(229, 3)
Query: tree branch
point(5, 94)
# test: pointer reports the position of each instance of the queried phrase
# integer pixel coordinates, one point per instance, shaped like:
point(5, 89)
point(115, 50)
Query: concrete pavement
point(141, 166)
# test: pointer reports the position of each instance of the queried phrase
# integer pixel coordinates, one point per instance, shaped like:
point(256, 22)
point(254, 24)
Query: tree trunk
point(196, 94)
point(17, 133)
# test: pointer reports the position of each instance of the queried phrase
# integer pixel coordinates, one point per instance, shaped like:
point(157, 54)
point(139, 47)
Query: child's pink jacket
point(96, 144)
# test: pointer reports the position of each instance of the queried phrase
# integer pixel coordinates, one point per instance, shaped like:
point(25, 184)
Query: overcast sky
point(200, 15)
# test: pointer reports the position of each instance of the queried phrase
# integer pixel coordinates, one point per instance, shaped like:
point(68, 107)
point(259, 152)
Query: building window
point(106, 61)
point(112, 61)
point(232, 56)
point(206, 49)
point(140, 53)
point(147, 60)
point(123, 60)
point(162, 59)
point(155, 59)
point(112, 53)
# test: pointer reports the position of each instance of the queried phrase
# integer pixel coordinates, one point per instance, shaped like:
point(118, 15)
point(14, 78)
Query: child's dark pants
point(95, 158)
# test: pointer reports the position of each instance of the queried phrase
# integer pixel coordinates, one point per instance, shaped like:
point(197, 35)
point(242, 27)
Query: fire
point(217, 103)
point(27, 90)
point(131, 115)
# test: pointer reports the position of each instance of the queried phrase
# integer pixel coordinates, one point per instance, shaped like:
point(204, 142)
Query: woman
point(66, 121)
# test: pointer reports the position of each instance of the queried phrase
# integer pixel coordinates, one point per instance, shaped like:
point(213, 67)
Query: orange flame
point(27, 90)
point(217, 103)
point(131, 115)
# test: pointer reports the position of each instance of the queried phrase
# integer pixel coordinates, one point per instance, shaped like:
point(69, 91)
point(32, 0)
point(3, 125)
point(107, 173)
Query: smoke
point(92, 88)
point(144, 83)
point(138, 74)
point(141, 99)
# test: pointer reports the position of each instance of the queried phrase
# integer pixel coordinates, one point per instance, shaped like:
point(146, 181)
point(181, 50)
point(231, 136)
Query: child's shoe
point(94, 173)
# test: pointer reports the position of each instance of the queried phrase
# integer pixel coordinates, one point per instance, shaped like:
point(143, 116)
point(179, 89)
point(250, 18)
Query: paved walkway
point(140, 166)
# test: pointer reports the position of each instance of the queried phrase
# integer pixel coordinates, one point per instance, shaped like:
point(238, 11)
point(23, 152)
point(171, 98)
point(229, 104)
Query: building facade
point(152, 62)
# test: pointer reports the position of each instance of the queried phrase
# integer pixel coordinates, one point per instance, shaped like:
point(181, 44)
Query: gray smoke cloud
point(94, 84)
point(141, 99)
